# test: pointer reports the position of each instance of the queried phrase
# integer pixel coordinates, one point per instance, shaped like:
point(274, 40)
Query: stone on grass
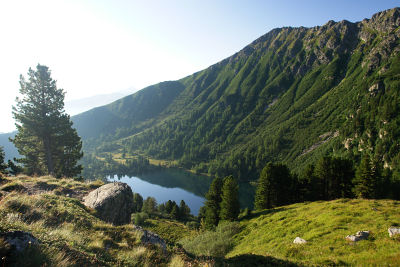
point(393, 231)
point(113, 202)
point(299, 240)
point(360, 235)
point(19, 240)
point(149, 237)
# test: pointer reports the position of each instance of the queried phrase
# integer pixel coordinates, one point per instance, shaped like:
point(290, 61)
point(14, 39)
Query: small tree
point(169, 206)
point(230, 207)
point(3, 166)
point(184, 210)
point(149, 205)
point(175, 212)
point(137, 202)
point(213, 200)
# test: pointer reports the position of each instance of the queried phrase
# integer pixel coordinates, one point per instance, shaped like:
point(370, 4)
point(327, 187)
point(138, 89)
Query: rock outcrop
point(19, 240)
point(360, 235)
point(113, 202)
point(149, 237)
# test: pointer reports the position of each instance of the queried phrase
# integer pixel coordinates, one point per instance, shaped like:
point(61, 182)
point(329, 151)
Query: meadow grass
point(324, 224)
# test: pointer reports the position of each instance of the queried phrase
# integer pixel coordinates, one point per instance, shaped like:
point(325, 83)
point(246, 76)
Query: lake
point(176, 184)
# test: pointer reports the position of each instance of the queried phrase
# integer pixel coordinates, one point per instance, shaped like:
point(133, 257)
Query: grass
point(171, 231)
point(324, 225)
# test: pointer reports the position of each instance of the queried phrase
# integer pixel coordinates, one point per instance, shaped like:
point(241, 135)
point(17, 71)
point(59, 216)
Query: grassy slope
point(69, 233)
point(324, 225)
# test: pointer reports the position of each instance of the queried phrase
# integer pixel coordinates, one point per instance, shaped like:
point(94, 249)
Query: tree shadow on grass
point(250, 260)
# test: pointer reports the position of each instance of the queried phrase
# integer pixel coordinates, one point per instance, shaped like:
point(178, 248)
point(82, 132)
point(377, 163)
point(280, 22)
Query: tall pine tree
point(230, 207)
point(45, 135)
point(213, 200)
point(367, 178)
point(273, 187)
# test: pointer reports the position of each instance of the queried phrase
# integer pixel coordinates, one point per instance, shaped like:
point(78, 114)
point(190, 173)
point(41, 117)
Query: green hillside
point(323, 224)
point(292, 95)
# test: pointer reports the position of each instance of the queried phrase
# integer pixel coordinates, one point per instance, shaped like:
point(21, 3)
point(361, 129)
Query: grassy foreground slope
point(69, 233)
point(324, 224)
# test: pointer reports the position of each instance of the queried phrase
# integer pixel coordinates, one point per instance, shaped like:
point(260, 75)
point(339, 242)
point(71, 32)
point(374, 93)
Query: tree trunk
point(49, 158)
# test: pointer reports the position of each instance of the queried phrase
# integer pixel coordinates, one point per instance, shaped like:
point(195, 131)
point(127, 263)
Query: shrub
point(213, 243)
point(140, 218)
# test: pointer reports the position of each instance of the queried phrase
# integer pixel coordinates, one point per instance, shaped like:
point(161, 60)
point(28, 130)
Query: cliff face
point(292, 95)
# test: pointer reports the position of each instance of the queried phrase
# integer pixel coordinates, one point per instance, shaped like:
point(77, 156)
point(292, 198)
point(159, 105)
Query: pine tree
point(274, 186)
point(175, 212)
point(366, 179)
point(184, 210)
point(45, 135)
point(213, 200)
point(137, 202)
point(149, 205)
point(230, 207)
point(3, 166)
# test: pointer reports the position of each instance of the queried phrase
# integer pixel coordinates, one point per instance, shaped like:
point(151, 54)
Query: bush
point(193, 225)
point(213, 243)
point(140, 218)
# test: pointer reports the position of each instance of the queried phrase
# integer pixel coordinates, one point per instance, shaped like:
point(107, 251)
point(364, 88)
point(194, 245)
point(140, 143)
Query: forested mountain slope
point(292, 95)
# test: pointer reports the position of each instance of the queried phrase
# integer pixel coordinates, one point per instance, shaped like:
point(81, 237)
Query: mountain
point(80, 105)
point(9, 149)
point(292, 95)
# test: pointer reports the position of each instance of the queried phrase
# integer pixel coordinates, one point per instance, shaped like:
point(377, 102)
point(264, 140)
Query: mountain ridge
point(271, 101)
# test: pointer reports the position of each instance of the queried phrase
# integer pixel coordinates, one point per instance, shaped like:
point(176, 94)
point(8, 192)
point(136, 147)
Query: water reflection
point(176, 184)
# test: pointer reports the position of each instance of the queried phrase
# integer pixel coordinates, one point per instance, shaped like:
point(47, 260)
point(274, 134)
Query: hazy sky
point(97, 47)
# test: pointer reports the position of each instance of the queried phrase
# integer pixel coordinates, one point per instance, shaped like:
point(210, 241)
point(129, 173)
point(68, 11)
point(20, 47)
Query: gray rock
point(19, 240)
point(113, 202)
point(360, 235)
point(393, 231)
point(149, 237)
point(299, 240)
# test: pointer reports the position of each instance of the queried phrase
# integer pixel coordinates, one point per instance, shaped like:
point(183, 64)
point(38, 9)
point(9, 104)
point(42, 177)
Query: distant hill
point(77, 106)
point(292, 95)
point(9, 149)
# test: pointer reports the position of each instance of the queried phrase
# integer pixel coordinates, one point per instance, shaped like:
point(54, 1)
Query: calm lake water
point(175, 184)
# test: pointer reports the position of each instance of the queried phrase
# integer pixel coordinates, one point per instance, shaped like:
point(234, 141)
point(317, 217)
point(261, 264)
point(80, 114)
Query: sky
point(99, 47)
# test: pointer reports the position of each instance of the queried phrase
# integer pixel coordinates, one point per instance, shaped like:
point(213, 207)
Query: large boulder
point(113, 202)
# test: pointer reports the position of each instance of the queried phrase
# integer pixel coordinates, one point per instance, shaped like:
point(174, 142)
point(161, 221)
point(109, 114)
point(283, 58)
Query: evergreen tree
point(213, 200)
point(230, 207)
point(335, 178)
point(273, 187)
point(175, 212)
point(149, 205)
point(3, 166)
point(169, 206)
point(137, 202)
point(184, 210)
point(45, 135)
point(14, 169)
point(366, 180)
